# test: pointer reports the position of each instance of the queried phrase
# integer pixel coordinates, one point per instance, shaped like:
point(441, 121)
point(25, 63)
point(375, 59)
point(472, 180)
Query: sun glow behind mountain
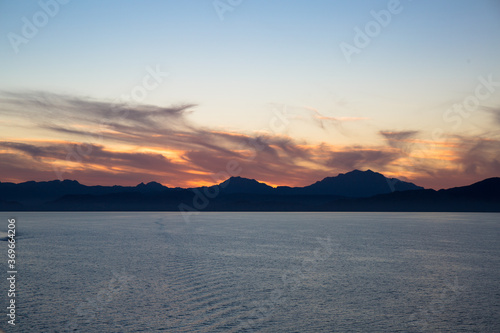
point(174, 92)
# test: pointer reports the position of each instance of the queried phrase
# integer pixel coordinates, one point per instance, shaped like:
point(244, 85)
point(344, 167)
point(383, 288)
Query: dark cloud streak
point(85, 130)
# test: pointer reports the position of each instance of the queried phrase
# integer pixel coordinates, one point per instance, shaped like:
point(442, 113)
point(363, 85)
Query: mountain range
point(352, 191)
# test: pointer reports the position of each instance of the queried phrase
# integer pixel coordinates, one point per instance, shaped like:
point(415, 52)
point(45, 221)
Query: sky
point(189, 93)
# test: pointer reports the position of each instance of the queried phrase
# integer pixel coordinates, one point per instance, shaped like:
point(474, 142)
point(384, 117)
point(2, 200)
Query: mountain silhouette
point(244, 185)
point(33, 193)
point(483, 196)
point(352, 191)
point(357, 184)
point(486, 189)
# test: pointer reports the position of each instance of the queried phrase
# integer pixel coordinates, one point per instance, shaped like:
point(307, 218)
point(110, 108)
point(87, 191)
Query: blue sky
point(265, 55)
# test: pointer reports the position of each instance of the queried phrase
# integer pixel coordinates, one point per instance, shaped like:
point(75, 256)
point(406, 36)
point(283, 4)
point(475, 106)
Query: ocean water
point(255, 272)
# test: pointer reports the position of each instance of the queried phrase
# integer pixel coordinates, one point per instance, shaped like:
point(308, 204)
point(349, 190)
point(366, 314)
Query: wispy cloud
point(399, 139)
point(359, 157)
point(495, 113)
point(98, 155)
point(104, 142)
point(327, 122)
point(479, 156)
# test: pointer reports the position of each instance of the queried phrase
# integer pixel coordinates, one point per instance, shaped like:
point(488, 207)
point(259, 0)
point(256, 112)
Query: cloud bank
point(98, 142)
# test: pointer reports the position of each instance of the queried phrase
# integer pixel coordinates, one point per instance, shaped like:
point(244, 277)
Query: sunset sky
point(190, 92)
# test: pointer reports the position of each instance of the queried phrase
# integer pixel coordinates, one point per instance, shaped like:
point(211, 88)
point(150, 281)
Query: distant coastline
point(354, 191)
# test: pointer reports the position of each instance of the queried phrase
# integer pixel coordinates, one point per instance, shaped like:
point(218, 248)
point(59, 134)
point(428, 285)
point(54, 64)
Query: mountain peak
point(360, 172)
point(64, 182)
point(359, 183)
point(354, 174)
point(153, 183)
point(244, 185)
point(241, 179)
point(151, 186)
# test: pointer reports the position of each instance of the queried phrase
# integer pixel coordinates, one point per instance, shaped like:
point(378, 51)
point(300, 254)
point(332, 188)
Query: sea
point(253, 272)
